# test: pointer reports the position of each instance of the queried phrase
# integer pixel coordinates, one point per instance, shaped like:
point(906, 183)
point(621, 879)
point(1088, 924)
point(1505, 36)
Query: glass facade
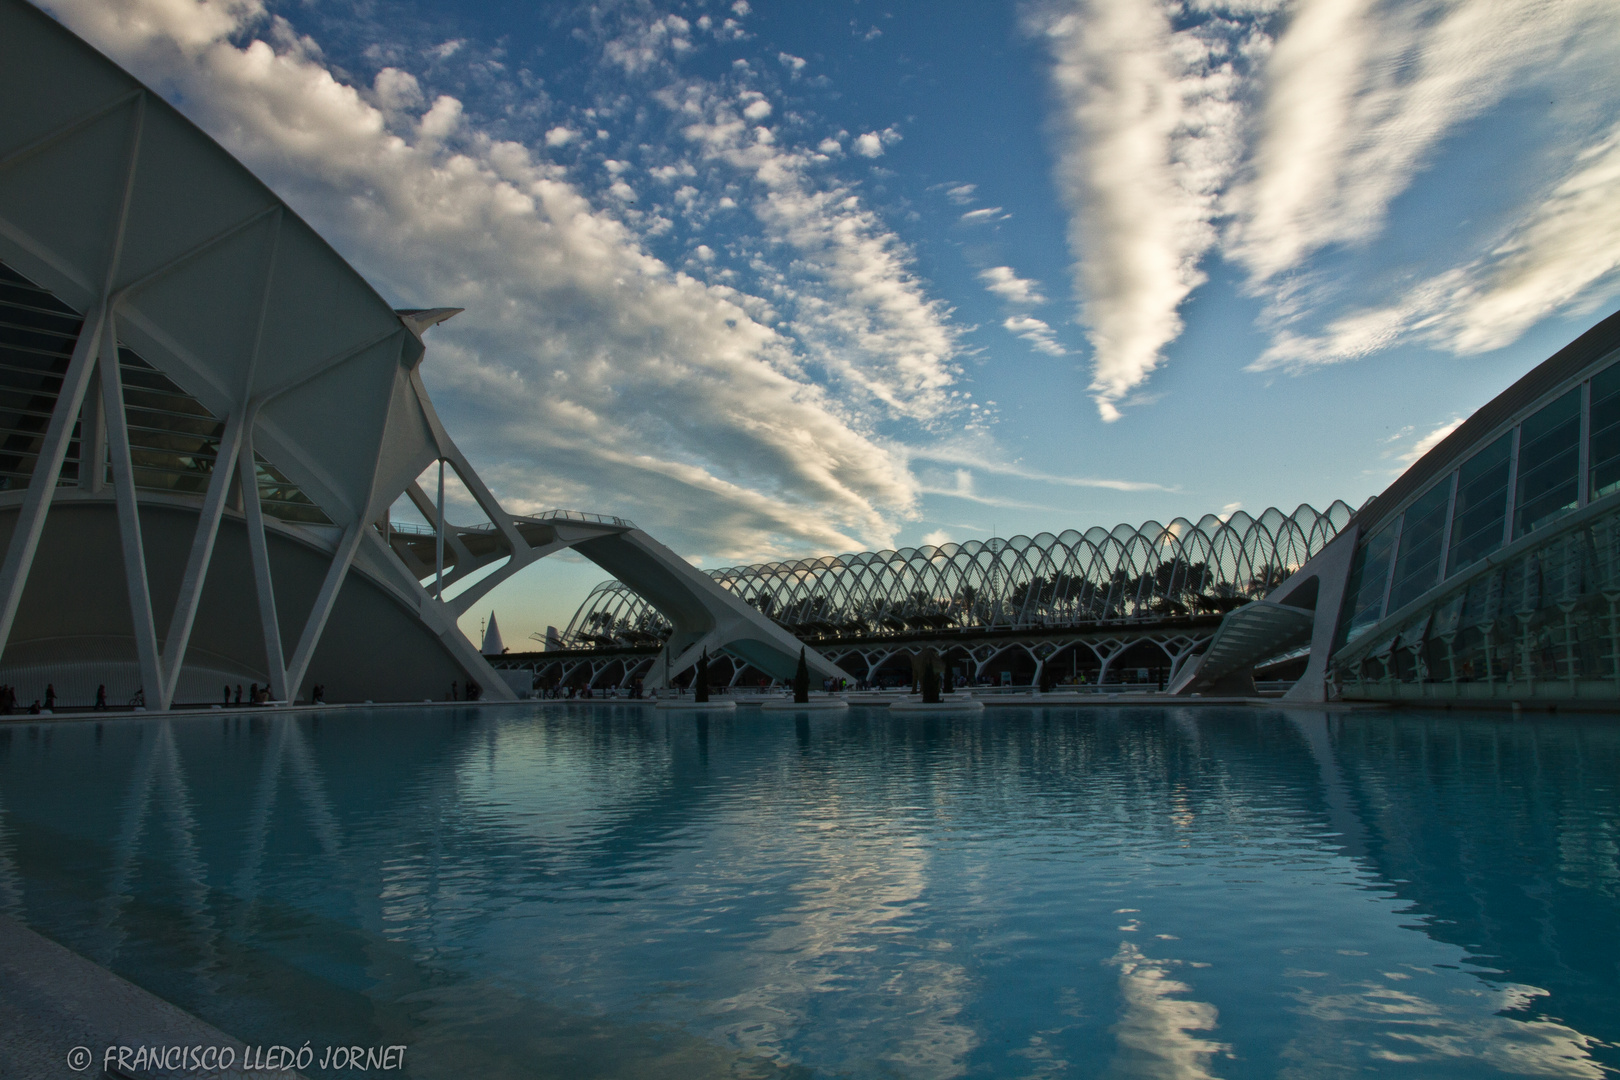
point(1605, 438)
point(1542, 622)
point(1480, 518)
point(1417, 567)
point(1549, 465)
point(1369, 579)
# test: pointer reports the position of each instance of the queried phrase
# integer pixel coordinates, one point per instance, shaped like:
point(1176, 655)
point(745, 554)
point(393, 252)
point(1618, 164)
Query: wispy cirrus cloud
point(1036, 332)
point(1275, 137)
point(1150, 134)
point(1564, 251)
point(1005, 283)
point(1359, 94)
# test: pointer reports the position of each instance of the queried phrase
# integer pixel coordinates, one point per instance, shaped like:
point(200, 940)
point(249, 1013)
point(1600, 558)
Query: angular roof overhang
point(108, 195)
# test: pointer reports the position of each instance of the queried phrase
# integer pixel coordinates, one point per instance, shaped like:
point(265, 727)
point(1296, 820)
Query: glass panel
point(1549, 464)
point(1369, 573)
point(1417, 567)
point(1476, 528)
point(1605, 452)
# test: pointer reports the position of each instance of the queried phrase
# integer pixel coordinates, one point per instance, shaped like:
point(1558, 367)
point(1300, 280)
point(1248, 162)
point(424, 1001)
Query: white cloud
point(859, 308)
point(1005, 283)
point(795, 64)
point(961, 194)
point(1151, 126)
point(441, 121)
point(396, 90)
point(980, 459)
point(585, 371)
point(1036, 332)
point(869, 145)
point(1430, 441)
point(936, 538)
point(1359, 95)
point(1564, 252)
point(645, 43)
point(983, 215)
point(1354, 98)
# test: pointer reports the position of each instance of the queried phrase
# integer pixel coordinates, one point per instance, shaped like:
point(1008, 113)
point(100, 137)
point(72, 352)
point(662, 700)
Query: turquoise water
point(582, 891)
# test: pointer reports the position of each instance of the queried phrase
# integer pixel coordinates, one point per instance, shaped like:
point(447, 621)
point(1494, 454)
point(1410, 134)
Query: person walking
point(101, 697)
point(227, 693)
point(239, 693)
point(50, 696)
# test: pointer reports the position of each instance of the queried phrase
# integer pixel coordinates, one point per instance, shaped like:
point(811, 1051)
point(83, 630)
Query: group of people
point(568, 692)
point(472, 692)
point(10, 703)
point(257, 695)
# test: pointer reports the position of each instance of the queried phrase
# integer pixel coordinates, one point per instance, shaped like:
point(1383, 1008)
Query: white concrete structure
point(205, 418)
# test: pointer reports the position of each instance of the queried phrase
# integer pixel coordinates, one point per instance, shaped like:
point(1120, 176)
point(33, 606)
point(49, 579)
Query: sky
point(777, 280)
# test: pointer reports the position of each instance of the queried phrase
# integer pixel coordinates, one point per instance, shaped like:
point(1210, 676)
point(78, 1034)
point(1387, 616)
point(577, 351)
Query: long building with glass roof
point(1076, 601)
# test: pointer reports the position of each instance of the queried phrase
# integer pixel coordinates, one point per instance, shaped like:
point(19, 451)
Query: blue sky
point(782, 279)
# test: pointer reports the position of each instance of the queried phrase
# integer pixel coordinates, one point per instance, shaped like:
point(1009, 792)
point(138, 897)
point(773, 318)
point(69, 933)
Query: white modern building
point(205, 418)
point(1489, 572)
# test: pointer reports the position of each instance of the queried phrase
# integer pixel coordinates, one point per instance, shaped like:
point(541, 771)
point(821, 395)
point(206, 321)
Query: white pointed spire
point(493, 646)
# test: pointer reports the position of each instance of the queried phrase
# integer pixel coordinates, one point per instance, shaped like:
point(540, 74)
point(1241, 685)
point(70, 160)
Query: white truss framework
point(1131, 574)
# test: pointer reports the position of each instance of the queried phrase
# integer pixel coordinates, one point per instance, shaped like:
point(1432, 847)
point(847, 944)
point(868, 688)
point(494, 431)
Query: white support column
point(438, 569)
point(269, 623)
point(129, 519)
point(202, 553)
point(324, 602)
point(42, 485)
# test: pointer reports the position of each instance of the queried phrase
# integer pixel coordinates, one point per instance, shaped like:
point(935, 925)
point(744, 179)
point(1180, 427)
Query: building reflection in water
point(1175, 893)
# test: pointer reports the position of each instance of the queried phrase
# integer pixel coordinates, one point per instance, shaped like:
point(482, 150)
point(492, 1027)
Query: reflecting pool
point(605, 891)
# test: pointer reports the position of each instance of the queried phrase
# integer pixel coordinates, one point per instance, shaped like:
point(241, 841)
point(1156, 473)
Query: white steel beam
point(438, 543)
point(129, 518)
point(47, 465)
point(324, 602)
point(202, 553)
point(269, 624)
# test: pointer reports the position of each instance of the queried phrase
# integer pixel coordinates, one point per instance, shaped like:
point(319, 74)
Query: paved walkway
point(53, 1000)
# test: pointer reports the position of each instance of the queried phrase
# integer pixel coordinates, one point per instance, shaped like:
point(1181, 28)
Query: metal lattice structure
point(1128, 575)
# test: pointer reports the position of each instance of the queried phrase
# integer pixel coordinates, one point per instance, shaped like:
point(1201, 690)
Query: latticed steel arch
point(1132, 574)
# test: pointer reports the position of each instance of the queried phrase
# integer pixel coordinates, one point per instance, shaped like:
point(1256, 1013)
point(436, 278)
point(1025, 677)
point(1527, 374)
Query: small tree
point(700, 681)
point(801, 681)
